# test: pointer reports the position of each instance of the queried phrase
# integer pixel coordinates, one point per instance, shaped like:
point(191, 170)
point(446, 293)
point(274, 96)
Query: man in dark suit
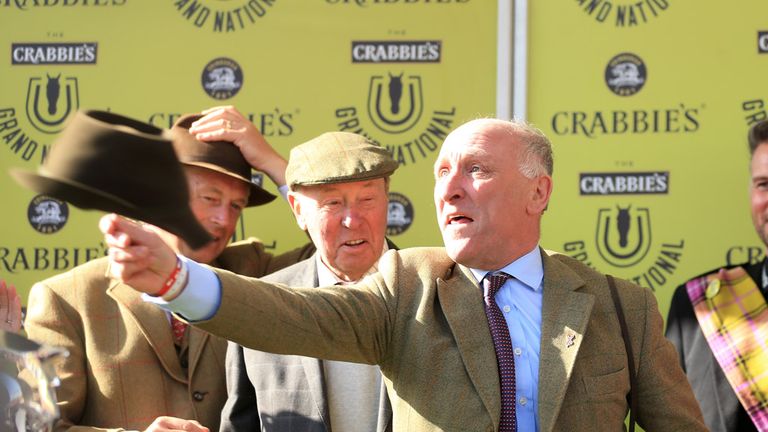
point(537, 346)
point(339, 185)
point(723, 407)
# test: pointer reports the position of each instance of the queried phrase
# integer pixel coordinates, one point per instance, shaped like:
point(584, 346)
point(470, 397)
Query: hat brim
point(86, 197)
point(257, 195)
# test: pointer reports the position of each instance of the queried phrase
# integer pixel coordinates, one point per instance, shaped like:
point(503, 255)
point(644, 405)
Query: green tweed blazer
point(421, 318)
point(123, 370)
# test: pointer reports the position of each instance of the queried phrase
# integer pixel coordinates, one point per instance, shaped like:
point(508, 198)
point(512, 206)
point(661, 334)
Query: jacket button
point(198, 396)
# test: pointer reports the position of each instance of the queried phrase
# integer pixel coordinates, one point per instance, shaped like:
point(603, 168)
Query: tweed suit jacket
point(421, 319)
point(123, 370)
point(282, 393)
point(721, 408)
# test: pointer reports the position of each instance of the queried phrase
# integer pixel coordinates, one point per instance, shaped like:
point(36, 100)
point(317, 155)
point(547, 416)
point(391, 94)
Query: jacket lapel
point(462, 303)
point(564, 320)
point(196, 341)
point(306, 276)
point(153, 324)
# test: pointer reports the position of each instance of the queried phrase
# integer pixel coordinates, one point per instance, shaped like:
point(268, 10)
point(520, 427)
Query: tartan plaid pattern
point(735, 323)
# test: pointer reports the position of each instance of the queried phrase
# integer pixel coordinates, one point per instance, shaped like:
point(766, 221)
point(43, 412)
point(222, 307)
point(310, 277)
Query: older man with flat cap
point(339, 183)
point(132, 366)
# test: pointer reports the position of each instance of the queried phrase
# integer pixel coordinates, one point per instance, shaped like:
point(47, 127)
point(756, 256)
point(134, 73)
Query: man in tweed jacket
point(422, 319)
point(124, 370)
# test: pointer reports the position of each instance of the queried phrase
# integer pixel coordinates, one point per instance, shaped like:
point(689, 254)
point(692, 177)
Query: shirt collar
point(325, 277)
point(528, 269)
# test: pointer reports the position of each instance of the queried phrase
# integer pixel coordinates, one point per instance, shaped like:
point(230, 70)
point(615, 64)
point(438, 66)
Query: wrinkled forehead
point(352, 187)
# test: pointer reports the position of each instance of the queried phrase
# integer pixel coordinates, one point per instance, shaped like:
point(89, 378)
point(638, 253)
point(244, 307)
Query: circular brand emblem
point(625, 74)
point(399, 214)
point(47, 215)
point(222, 78)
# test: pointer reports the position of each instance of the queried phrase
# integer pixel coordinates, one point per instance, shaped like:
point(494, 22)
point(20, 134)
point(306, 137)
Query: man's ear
point(541, 191)
point(295, 202)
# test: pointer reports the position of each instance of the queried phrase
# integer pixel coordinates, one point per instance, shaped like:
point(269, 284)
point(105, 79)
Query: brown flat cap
point(104, 161)
point(337, 157)
point(220, 156)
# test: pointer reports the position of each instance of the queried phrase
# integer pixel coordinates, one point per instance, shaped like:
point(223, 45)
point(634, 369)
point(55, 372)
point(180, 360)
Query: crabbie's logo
point(399, 117)
point(623, 13)
point(64, 4)
point(222, 78)
point(54, 53)
point(636, 183)
point(399, 214)
point(625, 74)
point(47, 215)
point(625, 244)
point(223, 16)
point(396, 51)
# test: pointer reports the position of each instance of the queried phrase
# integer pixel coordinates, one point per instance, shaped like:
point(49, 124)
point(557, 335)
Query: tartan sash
point(733, 316)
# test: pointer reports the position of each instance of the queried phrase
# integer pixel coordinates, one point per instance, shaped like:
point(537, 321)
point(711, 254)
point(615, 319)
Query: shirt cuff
point(283, 191)
point(199, 300)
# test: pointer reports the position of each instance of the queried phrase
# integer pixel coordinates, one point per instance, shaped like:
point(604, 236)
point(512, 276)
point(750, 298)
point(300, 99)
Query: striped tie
point(502, 343)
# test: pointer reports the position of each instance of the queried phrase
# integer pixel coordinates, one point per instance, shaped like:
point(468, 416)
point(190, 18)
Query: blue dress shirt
point(520, 302)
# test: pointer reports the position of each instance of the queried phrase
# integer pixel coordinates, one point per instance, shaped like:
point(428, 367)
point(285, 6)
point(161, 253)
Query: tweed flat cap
point(337, 157)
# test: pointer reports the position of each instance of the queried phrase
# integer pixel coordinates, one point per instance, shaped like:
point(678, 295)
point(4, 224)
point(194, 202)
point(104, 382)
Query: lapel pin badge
point(570, 340)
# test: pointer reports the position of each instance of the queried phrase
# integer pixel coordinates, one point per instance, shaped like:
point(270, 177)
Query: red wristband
point(171, 279)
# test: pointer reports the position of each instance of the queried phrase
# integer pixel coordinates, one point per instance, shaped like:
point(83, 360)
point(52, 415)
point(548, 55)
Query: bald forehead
point(483, 135)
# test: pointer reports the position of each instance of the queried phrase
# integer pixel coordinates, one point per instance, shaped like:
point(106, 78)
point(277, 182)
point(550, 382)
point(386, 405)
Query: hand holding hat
point(216, 155)
point(226, 123)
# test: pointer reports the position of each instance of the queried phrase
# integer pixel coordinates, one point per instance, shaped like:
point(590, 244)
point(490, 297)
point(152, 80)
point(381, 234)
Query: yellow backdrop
point(648, 104)
point(297, 68)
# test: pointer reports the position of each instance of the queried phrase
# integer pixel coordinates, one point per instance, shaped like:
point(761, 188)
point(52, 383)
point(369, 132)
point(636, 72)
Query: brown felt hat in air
point(337, 157)
point(108, 162)
point(220, 156)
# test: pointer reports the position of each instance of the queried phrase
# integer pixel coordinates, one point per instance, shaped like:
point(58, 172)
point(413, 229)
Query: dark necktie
point(502, 343)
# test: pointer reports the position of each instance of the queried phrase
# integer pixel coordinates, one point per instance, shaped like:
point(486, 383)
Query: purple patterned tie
point(502, 343)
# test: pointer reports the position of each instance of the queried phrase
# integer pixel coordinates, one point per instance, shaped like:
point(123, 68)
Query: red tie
point(179, 327)
point(502, 343)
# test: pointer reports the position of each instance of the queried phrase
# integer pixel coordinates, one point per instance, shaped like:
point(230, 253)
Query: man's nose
point(449, 188)
point(220, 214)
point(351, 217)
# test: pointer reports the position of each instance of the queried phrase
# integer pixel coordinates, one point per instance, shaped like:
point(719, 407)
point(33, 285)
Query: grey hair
point(536, 155)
